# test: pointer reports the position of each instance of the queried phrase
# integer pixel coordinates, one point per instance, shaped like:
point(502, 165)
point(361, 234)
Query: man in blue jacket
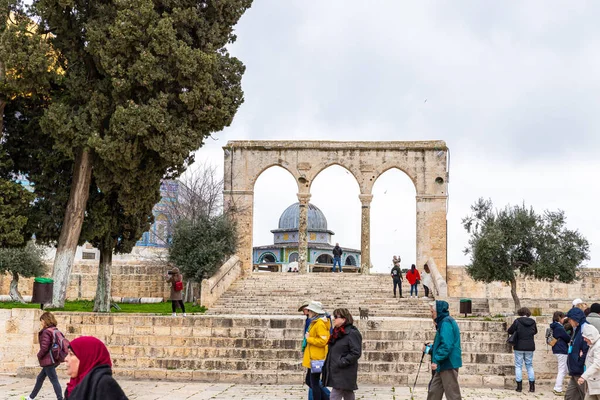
point(446, 354)
point(578, 349)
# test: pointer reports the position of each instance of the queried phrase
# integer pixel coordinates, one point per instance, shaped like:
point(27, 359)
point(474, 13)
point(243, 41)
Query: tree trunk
point(103, 289)
point(71, 227)
point(189, 292)
point(513, 292)
point(14, 288)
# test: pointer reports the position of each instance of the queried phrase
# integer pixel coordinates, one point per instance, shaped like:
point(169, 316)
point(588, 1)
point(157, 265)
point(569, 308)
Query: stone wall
point(129, 279)
point(547, 294)
point(19, 332)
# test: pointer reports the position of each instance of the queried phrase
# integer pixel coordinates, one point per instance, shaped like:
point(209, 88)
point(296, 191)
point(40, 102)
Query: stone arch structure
point(425, 162)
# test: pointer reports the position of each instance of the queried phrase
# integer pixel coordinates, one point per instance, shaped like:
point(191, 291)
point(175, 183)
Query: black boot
point(531, 386)
point(519, 386)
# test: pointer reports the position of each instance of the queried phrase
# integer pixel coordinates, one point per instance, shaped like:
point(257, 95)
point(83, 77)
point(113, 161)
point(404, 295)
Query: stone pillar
point(303, 199)
point(365, 232)
point(432, 231)
point(240, 205)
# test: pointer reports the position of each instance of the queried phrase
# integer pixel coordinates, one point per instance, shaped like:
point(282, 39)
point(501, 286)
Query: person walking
point(414, 278)
point(396, 275)
point(526, 329)
point(591, 376)
point(337, 257)
point(594, 316)
point(315, 352)
point(427, 281)
point(578, 349)
point(176, 280)
point(446, 354)
point(90, 369)
point(341, 365)
point(46, 339)
point(560, 349)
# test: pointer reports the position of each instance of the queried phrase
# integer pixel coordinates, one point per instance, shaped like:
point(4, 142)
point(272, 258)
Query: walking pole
point(412, 392)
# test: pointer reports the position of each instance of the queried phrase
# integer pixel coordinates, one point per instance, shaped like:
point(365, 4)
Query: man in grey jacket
point(594, 315)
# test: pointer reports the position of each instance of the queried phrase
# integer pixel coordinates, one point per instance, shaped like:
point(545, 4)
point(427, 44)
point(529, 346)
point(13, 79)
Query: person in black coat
point(89, 366)
point(560, 349)
point(526, 329)
point(345, 348)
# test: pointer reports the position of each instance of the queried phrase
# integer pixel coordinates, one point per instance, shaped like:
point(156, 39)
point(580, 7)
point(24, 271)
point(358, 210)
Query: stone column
point(365, 233)
point(240, 205)
point(432, 231)
point(303, 199)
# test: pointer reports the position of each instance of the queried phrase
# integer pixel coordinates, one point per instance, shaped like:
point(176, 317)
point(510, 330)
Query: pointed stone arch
point(425, 162)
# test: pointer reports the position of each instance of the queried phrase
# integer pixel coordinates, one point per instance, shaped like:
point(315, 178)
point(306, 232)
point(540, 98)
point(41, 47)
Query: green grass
point(88, 306)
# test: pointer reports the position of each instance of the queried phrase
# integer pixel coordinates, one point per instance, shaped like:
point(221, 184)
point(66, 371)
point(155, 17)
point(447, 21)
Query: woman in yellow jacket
point(317, 337)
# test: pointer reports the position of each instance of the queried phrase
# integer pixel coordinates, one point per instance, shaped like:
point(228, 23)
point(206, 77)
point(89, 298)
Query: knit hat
point(595, 308)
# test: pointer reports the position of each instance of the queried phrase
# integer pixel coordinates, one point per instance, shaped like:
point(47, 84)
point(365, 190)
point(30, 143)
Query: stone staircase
point(282, 293)
point(266, 349)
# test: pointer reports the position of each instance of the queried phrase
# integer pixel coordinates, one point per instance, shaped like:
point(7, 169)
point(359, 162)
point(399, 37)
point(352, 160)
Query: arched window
point(325, 259)
point(267, 258)
point(293, 257)
point(350, 260)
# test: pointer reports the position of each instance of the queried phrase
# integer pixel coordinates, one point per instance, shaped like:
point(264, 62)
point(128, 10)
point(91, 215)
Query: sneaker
point(174, 314)
point(184, 314)
point(424, 297)
point(556, 392)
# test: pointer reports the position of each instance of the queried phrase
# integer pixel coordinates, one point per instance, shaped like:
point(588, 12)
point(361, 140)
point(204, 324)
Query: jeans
point(562, 371)
point(338, 261)
point(526, 356)
point(397, 282)
point(174, 304)
point(49, 372)
point(314, 382)
point(415, 288)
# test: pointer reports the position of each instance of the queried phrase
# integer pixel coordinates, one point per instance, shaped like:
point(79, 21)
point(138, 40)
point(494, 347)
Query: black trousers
point(426, 291)
point(314, 382)
point(397, 282)
point(174, 304)
point(49, 372)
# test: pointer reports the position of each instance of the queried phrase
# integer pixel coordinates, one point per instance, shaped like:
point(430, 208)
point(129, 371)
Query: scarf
point(91, 352)
point(337, 333)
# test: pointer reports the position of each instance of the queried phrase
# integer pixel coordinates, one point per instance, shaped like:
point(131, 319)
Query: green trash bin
point(42, 291)
point(466, 306)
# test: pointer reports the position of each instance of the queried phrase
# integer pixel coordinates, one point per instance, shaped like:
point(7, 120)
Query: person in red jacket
point(45, 336)
point(414, 278)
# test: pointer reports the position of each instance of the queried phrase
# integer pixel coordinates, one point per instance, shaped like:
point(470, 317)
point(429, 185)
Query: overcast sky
point(512, 87)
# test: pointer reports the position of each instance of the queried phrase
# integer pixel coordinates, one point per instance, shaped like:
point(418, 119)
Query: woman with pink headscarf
point(89, 366)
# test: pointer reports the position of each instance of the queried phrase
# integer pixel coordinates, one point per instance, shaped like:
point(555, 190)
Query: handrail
point(224, 275)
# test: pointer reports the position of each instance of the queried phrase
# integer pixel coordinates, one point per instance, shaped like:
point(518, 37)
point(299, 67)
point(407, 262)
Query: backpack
point(59, 348)
point(178, 286)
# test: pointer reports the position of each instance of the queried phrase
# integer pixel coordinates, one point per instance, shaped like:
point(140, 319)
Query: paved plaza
point(12, 388)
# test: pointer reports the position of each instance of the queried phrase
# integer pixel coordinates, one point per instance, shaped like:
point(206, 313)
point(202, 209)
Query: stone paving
point(12, 388)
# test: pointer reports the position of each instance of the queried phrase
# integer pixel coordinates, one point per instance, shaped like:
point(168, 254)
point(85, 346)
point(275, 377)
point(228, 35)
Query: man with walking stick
point(446, 354)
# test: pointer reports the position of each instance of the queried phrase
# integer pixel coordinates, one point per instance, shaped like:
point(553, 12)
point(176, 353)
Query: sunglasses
point(337, 316)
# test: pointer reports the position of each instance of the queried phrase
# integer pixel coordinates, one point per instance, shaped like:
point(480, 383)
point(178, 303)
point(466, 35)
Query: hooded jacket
point(446, 351)
point(412, 275)
point(562, 338)
point(594, 319)
point(526, 329)
point(316, 343)
point(592, 361)
point(579, 347)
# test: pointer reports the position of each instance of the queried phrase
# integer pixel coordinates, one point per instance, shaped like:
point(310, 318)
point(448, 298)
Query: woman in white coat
point(591, 376)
